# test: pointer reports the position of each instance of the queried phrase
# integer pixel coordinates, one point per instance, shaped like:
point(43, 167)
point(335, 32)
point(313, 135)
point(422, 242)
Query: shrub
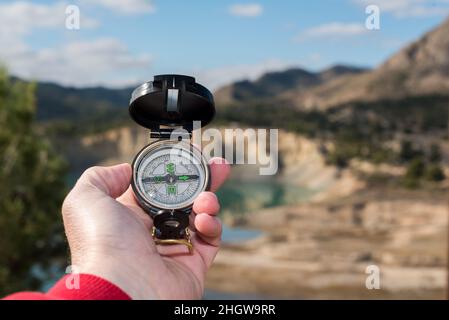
point(435, 173)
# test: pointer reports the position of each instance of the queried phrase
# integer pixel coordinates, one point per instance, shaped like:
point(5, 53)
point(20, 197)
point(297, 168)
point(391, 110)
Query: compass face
point(169, 175)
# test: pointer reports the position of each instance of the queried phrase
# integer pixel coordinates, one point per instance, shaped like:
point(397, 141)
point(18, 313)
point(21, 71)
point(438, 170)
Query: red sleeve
point(76, 287)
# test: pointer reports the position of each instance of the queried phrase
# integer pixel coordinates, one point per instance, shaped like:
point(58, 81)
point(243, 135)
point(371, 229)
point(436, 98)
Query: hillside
point(421, 68)
point(55, 102)
point(273, 84)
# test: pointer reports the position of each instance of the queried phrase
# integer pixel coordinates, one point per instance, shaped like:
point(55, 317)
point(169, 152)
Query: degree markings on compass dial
point(170, 180)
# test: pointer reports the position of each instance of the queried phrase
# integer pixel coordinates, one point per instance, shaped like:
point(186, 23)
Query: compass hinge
point(171, 133)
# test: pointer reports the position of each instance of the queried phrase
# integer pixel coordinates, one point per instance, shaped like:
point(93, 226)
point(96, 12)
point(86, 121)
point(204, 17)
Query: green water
point(239, 197)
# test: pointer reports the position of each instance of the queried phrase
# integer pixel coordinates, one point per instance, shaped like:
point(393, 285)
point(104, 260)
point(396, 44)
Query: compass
point(170, 172)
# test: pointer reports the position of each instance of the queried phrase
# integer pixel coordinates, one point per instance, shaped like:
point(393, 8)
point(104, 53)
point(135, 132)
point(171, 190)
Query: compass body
point(169, 173)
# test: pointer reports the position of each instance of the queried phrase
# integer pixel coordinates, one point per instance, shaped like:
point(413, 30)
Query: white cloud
point(81, 63)
point(246, 10)
point(335, 29)
point(19, 19)
point(126, 6)
point(103, 61)
point(22, 17)
point(410, 8)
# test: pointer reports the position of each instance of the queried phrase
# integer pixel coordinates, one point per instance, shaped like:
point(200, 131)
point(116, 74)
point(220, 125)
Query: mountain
point(272, 84)
point(56, 102)
point(420, 69)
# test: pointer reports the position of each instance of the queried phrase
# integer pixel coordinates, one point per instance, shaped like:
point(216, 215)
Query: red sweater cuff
point(77, 287)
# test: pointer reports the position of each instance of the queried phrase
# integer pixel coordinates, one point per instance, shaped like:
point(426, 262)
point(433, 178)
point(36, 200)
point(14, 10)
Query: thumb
point(111, 181)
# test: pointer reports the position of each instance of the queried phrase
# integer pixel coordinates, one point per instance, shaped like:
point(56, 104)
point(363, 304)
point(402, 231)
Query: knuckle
point(83, 184)
point(210, 196)
point(91, 177)
point(67, 205)
point(91, 172)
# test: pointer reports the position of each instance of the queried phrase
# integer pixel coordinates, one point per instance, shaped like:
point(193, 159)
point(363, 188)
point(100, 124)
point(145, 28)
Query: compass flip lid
point(171, 100)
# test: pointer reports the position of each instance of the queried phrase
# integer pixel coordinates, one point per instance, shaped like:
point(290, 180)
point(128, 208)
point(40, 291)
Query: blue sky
point(122, 42)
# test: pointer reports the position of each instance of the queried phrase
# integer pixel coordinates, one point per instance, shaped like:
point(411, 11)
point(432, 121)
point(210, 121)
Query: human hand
point(110, 236)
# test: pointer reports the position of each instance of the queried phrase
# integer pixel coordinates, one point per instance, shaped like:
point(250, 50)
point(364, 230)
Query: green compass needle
point(188, 177)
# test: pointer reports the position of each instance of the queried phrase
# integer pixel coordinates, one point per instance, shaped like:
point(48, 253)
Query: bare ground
point(321, 250)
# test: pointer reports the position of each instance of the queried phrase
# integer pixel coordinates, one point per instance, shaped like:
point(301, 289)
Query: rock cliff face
point(304, 165)
point(109, 147)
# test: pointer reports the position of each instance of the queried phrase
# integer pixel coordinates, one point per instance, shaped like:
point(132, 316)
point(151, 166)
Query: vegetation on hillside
point(31, 191)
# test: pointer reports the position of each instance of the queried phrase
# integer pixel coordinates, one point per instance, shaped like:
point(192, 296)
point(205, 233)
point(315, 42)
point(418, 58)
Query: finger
point(111, 181)
point(208, 227)
point(205, 239)
point(207, 246)
point(219, 171)
point(206, 202)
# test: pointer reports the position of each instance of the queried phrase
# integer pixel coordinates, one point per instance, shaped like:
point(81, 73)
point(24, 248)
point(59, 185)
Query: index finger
point(219, 172)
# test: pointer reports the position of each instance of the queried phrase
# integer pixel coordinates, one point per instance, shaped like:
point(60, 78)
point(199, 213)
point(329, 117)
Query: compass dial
point(169, 175)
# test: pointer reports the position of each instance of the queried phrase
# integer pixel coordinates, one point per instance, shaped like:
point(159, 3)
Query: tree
point(415, 171)
point(416, 168)
point(32, 188)
point(408, 152)
point(435, 153)
point(435, 173)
